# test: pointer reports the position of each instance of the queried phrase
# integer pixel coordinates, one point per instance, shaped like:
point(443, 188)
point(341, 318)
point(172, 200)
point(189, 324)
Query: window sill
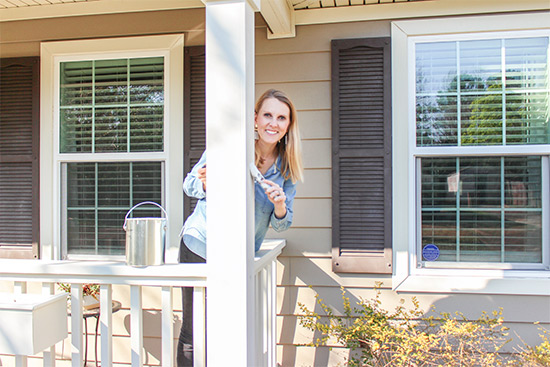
point(533, 283)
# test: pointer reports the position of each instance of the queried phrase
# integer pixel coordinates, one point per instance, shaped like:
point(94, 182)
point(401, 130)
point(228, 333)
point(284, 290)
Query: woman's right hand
point(202, 176)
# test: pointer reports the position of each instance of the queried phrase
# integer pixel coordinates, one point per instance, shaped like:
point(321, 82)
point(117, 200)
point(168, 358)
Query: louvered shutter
point(195, 112)
point(361, 160)
point(19, 147)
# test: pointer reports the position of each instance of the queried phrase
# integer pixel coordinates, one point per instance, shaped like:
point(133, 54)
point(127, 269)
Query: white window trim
point(52, 53)
point(407, 277)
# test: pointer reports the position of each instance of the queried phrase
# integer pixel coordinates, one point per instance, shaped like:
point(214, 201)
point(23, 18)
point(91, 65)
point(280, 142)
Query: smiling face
point(272, 121)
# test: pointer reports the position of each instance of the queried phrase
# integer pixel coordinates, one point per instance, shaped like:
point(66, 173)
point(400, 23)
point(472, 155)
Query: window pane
point(113, 185)
point(440, 182)
point(496, 105)
point(81, 185)
point(439, 228)
point(480, 237)
point(523, 237)
point(112, 106)
point(76, 130)
point(481, 119)
point(147, 183)
point(111, 238)
point(480, 65)
point(76, 83)
point(147, 80)
point(527, 118)
point(526, 63)
point(111, 81)
point(98, 197)
point(436, 120)
point(480, 182)
point(111, 130)
point(483, 209)
point(522, 179)
point(146, 133)
point(436, 67)
point(81, 232)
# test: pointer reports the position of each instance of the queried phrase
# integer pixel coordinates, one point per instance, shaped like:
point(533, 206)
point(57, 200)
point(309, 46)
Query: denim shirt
point(194, 229)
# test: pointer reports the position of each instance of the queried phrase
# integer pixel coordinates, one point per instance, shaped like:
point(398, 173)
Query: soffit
point(316, 4)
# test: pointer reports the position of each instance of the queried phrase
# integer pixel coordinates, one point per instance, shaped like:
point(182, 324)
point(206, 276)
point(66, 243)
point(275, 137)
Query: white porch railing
point(167, 277)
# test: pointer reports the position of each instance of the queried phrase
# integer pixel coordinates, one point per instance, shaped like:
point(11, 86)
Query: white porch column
point(230, 210)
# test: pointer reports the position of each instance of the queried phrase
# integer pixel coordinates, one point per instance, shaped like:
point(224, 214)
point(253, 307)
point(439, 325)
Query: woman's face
point(272, 120)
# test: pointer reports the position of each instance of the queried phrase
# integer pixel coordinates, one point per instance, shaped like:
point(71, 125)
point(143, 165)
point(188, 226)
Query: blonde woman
point(278, 157)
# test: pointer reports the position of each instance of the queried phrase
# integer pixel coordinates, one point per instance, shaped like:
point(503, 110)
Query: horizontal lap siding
point(301, 67)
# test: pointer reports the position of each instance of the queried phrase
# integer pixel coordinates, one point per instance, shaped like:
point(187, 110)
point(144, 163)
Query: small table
point(94, 312)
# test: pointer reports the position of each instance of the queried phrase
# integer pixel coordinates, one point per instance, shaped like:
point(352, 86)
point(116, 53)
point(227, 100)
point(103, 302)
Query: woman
point(278, 157)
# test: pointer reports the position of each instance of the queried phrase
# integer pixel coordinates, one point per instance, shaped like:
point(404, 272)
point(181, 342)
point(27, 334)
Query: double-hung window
point(477, 150)
point(116, 140)
point(482, 134)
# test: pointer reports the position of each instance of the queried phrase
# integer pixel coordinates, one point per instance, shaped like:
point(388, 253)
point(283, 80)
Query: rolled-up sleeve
point(282, 224)
point(192, 185)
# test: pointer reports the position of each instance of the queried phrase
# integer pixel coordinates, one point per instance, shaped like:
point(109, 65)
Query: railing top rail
point(102, 272)
point(112, 272)
point(271, 248)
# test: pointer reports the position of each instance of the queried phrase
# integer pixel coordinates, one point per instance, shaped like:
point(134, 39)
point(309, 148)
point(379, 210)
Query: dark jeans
point(185, 342)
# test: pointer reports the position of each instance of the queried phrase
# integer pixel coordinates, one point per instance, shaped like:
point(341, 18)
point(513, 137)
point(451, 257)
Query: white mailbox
point(30, 323)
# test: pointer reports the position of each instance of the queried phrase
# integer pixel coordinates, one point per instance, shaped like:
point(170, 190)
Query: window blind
point(483, 209)
point(482, 92)
point(112, 105)
point(98, 197)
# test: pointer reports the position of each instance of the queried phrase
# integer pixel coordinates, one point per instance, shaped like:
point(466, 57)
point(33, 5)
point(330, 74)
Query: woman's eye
point(282, 118)
point(267, 114)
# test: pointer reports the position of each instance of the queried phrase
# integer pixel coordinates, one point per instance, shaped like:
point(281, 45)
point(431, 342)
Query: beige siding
point(301, 67)
point(22, 38)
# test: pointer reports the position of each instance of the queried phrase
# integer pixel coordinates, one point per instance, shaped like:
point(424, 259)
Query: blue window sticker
point(430, 252)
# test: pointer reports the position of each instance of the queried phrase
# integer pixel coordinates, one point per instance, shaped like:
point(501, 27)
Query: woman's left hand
point(276, 195)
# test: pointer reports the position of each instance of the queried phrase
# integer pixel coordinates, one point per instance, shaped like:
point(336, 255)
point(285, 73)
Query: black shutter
point(361, 160)
point(19, 149)
point(195, 112)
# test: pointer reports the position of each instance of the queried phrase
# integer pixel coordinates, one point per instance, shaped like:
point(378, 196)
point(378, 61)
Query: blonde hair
point(289, 147)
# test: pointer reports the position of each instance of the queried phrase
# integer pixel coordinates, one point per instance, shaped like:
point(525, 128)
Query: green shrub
point(405, 337)
point(537, 356)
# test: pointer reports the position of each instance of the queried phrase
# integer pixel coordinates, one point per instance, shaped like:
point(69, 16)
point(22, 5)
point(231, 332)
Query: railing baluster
point(167, 327)
point(136, 325)
point(48, 356)
point(199, 327)
point(20, 288)
point(106, 323)
point(77, 351)
point(259, 316)
point(109, 273)
point(265, 316)
point(272, 313)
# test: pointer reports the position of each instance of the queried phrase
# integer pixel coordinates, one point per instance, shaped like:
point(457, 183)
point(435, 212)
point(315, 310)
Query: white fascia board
point(415, 9)
point(93, 8)
point(280, 18)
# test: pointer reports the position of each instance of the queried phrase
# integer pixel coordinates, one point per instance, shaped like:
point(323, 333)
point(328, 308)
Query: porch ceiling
point(281, 16)
point(315, 4)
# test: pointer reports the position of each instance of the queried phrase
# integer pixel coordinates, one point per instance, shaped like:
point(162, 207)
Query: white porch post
point(230, 210)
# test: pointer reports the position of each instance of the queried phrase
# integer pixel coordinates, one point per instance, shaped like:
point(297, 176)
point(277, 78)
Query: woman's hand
point(201, 174)
point(276, 195)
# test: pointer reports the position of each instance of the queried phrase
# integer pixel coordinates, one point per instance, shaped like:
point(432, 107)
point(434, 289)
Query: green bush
point(405, 337)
